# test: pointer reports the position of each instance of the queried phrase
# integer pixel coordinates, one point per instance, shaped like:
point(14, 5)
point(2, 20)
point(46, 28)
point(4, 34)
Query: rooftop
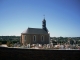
point(34, 31)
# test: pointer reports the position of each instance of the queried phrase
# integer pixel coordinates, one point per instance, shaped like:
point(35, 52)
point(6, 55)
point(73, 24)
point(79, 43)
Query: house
point(36, 35)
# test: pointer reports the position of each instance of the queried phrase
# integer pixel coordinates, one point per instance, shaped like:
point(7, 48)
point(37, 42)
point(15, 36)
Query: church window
point(34, 38)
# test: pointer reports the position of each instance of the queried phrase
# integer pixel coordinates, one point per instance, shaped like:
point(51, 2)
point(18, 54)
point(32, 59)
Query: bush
point(8, 43)
point(11, 45)
point(0, 43)
point(3, 42)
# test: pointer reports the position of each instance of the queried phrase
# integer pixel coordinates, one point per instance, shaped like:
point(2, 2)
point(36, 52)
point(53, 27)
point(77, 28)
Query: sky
point(62, 16)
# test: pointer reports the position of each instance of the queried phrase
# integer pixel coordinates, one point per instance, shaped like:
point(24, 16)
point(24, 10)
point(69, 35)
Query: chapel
point(36, 35)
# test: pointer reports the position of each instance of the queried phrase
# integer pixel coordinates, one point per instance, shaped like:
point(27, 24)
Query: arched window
point(34, 38)
point(42, 38)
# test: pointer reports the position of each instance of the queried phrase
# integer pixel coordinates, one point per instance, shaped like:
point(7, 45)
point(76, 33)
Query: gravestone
point(51, 45)
point(48, 46)
point(40, 46)
point(28, 45)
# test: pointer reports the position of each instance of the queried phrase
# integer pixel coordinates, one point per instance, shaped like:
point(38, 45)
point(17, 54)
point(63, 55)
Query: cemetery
point(50, 46)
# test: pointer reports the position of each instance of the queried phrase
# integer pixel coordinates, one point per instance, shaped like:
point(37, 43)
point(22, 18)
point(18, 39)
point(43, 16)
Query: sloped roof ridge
point(34, 28)
point(30, 30)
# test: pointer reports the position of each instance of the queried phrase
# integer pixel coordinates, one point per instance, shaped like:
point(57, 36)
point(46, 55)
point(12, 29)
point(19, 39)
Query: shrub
point(11, 45)
point(8, 43)
point(0, 43)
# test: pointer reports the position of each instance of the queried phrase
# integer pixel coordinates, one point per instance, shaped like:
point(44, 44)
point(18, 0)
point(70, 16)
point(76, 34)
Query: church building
point(36, 35)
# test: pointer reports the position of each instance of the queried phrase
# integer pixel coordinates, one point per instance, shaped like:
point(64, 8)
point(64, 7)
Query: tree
point(78, 41)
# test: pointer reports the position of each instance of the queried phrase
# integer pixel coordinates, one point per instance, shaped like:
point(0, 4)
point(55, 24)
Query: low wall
point(27, 54)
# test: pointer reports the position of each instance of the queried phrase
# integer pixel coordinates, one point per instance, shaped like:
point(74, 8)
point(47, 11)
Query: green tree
point(78, 42)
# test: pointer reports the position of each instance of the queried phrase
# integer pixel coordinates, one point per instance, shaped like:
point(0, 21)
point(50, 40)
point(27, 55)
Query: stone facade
point(29, 38)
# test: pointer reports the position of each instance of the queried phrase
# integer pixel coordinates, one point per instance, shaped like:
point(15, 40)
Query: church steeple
point(44, 24)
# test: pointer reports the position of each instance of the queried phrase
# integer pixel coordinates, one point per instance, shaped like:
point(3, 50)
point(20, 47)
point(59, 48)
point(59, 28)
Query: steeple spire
point(44, 18)
point(44, 24)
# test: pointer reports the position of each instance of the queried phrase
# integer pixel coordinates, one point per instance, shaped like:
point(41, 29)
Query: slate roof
point(34, 31)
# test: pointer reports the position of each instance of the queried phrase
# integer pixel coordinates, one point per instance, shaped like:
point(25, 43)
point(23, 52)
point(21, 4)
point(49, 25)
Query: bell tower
point(44, 24)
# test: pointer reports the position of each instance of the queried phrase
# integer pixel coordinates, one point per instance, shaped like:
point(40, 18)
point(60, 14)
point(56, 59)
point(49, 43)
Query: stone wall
point(32, 54)
point(29, 39)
